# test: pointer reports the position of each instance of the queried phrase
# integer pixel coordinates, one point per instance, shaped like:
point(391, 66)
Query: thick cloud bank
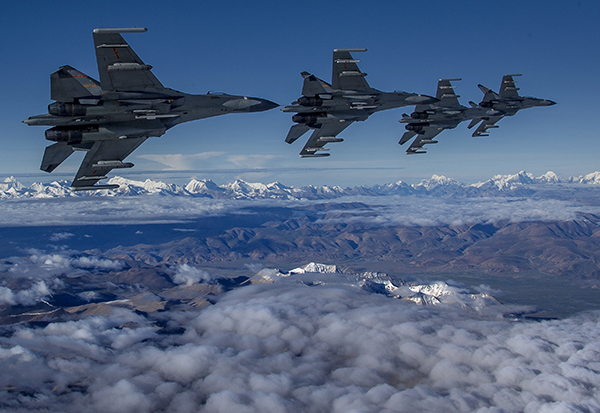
point(294, 347)
point(29, 280)
point(409, 210)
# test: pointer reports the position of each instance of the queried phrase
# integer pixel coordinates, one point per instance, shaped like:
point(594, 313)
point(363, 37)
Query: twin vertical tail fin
point(313, 86)
point(68, 84)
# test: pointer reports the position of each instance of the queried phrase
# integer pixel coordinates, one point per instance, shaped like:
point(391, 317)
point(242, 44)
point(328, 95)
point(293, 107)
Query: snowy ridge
point(437, 185)
point(436, 293)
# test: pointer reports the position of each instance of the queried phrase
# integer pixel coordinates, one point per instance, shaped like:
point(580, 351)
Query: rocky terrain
point(283, 237)
point(153, 247)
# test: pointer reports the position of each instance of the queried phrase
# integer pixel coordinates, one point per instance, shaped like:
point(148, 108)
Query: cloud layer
point(290, 347)
point(379, 210)
point(29, 280)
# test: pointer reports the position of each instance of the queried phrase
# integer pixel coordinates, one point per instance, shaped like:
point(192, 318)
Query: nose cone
point(264, 105)
point(547, 102)
point(246, 104)
point(421, 99)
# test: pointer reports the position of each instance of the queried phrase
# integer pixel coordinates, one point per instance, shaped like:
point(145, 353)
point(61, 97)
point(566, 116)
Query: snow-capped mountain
point(437, 185)
point(436, 293)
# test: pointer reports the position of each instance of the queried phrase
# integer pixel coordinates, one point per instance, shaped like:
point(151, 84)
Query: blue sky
point(259, 48)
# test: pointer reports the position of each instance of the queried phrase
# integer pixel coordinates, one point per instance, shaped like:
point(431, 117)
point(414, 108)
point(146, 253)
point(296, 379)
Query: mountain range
point(519, 184)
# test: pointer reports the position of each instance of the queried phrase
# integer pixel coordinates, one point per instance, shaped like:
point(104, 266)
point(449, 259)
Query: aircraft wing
point(120, 68)
point(508, 89)
point(485, 125)
point(322, 136)
point(423, 139)
point(346, 74)
point(445, 93)
point(103, 157)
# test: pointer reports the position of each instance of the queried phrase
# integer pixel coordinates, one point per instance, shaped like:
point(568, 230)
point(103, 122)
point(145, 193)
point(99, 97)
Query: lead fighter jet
point(328, 109)
point(111, 118)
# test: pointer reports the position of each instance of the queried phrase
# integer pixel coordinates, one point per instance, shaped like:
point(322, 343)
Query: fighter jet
point(427, 121)
point(506, 103)
point(111, 118)
point(328, 109)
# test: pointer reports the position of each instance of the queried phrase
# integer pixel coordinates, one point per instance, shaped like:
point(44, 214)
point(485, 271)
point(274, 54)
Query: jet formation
point(111, 118)
point(427, 121)
point(328, 109)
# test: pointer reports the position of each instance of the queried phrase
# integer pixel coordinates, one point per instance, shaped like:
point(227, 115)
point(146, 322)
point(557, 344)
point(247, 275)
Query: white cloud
point(289, 347)
point(59, 236)
point(188, 275)
point(108, 210)
point(32, 295)
point(182, 161)
point(380, 210)
point(95, 262)
point(29, 280)
point(252, 161)
point(431, 211)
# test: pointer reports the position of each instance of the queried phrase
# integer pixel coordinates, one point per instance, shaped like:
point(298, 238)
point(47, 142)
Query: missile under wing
point(110, 118)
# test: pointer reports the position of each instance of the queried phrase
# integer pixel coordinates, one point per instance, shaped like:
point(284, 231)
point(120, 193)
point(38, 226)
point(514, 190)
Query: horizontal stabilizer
point(54, 155)
point(407, 136)
point(295, 132)
point(474, 122)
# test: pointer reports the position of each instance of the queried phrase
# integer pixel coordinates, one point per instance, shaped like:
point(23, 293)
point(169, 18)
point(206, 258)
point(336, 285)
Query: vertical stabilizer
point(68, 84)
point(313, 86)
